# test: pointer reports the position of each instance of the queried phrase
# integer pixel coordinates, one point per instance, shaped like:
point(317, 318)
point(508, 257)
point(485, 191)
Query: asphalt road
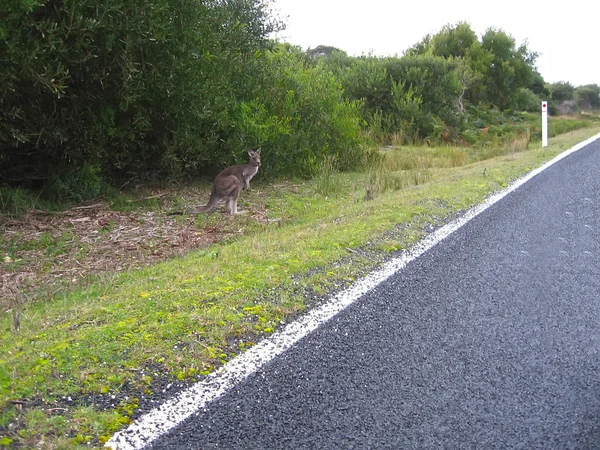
point(489, 340)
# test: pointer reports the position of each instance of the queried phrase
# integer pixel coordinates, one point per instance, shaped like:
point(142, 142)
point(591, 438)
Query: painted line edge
point(172, 412)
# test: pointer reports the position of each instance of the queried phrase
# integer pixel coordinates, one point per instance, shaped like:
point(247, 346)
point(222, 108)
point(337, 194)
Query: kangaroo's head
point(254, 157)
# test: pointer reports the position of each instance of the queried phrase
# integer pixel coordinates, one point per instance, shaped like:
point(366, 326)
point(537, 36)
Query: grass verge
point(82, 364)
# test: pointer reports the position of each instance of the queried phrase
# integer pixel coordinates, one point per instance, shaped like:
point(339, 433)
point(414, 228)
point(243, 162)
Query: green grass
point(186, 316)
point(19, 201)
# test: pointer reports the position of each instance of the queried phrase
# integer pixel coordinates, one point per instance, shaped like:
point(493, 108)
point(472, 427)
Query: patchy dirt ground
point(48, 251)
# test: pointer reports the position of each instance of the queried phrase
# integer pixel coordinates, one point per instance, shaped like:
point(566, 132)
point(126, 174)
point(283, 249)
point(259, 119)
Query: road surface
point(491, 339)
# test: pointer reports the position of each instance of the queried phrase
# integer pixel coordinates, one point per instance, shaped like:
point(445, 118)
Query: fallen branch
point(146, 198)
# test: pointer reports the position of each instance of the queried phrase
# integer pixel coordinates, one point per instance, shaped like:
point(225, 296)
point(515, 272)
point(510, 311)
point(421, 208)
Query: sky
point(565, 34)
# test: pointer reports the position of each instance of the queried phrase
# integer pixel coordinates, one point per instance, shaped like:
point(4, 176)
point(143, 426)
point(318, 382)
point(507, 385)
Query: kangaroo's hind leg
point(232, 196)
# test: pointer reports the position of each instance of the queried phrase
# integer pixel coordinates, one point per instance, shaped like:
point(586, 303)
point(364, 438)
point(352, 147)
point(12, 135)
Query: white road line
point(168, 415)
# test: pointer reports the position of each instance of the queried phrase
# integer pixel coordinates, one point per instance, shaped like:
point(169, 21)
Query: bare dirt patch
point(49, 251)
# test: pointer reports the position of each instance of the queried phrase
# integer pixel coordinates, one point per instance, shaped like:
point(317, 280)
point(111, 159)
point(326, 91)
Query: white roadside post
point(544, 123)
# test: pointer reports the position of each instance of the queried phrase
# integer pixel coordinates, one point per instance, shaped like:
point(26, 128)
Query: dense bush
point(97, 90)
point(415, 95)
point(300, 117)
point(588, 97)
point(129, 86)
point(525, 100)
point(562, 91)
point(434, 81)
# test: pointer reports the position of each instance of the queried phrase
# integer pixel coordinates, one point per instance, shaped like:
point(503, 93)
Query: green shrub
point(80, 186)
point(17, 201)
point(304, 118)
point(526, 100)
point(562, 91)
point(412, 96)
point(588, 97)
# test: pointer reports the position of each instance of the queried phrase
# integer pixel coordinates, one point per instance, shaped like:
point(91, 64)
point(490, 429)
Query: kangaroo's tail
point(213, 201)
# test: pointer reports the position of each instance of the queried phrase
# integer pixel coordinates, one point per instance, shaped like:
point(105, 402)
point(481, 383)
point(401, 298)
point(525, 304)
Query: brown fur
point(229, 183)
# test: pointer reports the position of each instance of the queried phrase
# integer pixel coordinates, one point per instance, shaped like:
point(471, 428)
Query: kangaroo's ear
point(258, 149)
point(250, 152)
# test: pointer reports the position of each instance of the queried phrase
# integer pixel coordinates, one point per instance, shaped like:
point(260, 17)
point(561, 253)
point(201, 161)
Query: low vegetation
point(79, 361)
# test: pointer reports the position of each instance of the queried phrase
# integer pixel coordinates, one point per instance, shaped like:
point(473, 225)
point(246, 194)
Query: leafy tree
point(538, 86)
point(324, 51)
point(511, 68)
point(588, 97)
point(468, 79)
point(459, 42)
point(496, 67)
point(423, 47)
point(562, 91)
point(454, 41)
point(335, 59)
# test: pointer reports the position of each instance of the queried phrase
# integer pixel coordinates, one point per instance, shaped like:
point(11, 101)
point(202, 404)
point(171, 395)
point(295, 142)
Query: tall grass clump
point(517, 143)
point(396, 170)
point(447, 157)
point(325, 177)
point(17, 201)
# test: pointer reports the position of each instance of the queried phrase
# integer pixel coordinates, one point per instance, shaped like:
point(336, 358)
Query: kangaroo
point(229, 183)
